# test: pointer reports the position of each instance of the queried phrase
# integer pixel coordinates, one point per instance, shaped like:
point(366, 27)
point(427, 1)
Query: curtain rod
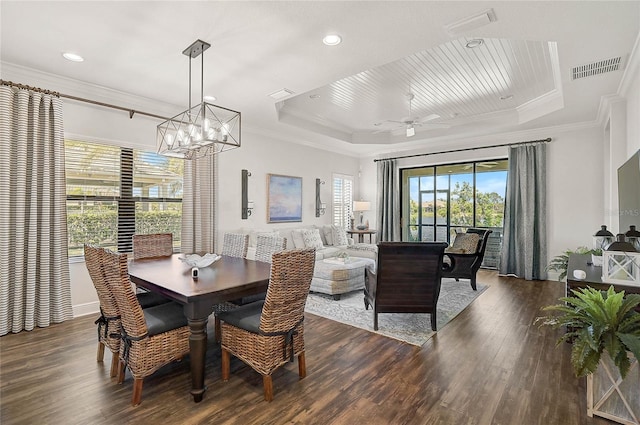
point(547, 140)
point(81, 99)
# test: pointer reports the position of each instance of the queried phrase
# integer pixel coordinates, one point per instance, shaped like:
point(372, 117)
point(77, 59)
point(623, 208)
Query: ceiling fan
point(411, 122)
point(485, 164)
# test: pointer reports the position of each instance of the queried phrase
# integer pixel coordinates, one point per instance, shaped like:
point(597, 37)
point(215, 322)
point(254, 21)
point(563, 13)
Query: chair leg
point(120, 371)
point(268, 387)
point(100, 356)
point(137, 391)
point(375, 320)
point(433, 321)
point(302, 365)
point(226, 364)
point(218, 329)
point(115, 362)
point(366, 303)
point(473, 283)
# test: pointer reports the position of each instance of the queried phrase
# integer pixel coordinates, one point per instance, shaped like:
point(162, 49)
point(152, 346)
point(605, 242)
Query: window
point(114, 192)
point(342, 200)
point(437, 201)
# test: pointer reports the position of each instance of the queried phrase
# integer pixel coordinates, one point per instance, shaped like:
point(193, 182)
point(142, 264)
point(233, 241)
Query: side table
point(361, 234)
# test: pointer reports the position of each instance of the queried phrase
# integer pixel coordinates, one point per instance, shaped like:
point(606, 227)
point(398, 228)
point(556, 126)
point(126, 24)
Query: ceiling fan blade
point(433, 126)
point(429, 117)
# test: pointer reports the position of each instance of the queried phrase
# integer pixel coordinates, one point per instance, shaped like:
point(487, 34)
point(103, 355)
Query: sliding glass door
point(440, 200)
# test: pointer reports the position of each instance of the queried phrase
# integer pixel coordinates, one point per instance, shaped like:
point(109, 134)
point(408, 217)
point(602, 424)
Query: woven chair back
point(110, 322)
point(117, 275)
point(235, 245)
point(291, 273)
point(267, 245)
point(153, 245)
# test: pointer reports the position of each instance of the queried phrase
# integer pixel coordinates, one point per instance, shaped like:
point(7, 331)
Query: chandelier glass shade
point(202, 130)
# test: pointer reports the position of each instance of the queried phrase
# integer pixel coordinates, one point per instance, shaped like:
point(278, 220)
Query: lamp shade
point(361, 205)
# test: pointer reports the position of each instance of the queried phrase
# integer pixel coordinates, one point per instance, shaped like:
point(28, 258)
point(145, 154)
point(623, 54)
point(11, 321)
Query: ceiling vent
point(596, 68)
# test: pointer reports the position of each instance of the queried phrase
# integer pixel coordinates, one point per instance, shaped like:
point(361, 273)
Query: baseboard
point(87, 308)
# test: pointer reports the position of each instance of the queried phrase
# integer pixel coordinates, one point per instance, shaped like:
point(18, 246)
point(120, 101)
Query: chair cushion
point(163, 318)
point(467, 242)
point(151, 299)
point(245, 317)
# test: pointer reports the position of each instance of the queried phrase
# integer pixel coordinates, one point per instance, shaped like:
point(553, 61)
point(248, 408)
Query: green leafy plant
point(560, 263)
point(598, 321)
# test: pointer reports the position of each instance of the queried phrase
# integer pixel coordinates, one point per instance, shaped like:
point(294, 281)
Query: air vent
point(596, 68)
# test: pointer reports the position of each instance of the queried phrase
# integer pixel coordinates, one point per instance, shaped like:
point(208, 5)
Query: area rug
point(414, 328)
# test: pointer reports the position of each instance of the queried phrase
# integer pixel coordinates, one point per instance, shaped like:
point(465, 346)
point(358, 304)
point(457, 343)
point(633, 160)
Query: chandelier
point(201, 130)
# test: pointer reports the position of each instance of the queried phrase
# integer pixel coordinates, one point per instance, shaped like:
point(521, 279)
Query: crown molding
point(480, 141)
point(69, 86)
point(632, 69)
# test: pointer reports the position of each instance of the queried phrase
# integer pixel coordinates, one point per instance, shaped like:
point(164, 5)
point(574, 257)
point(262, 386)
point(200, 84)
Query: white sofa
point(328, 249)
point(329, 277)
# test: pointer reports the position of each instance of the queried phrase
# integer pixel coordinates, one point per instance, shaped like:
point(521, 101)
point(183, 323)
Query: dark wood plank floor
point(490, 365)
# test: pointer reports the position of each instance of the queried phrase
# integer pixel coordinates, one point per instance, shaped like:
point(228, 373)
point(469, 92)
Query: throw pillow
point(298, 240)
point(339, 236)
point(327, 232)
point(312, 238)
point(467, 242)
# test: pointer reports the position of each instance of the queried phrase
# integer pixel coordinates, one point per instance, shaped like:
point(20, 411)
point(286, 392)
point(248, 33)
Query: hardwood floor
point(490, 365)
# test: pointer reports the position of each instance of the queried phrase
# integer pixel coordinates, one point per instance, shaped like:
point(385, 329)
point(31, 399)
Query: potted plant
point(604, 330)
point(560, 263)
point(596, 257)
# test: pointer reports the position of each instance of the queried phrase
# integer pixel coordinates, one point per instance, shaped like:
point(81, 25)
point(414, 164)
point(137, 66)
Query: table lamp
point(361, 206)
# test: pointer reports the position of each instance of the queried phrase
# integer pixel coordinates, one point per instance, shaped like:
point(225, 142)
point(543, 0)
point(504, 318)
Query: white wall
point(574, 181)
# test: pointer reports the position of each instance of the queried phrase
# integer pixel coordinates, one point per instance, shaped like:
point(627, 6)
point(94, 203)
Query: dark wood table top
point(594, 276)
point(227, 278)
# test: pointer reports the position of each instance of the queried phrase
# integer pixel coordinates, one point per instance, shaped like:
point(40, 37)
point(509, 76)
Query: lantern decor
point(633, 237)
point(602, 238)
point(621, 263)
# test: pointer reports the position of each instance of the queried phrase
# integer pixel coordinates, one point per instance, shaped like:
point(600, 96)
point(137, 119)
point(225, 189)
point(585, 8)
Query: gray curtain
point(524, 247)
point(199, 205)
point(388, 201)
point(35, 288)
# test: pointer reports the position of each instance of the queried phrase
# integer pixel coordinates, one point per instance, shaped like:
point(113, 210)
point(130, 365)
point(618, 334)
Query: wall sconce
point(321, 207)
point(247, 206)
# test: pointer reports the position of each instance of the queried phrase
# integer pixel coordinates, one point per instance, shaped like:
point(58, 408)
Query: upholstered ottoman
point(334, 277)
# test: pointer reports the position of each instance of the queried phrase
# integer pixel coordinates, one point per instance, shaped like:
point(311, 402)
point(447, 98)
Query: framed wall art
point(284, 198)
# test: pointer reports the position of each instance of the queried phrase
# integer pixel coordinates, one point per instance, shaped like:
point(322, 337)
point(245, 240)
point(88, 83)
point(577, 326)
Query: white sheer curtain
point(199, 205)
point(388, 201)
point(524, 247)
point(35, 287)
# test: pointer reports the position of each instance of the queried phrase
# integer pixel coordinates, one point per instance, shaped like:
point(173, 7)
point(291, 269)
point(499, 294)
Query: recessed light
point(476, 42)
point(73, 57)
point(210, 98)
point(314, 96)
point(506, 97)
point(332, 40)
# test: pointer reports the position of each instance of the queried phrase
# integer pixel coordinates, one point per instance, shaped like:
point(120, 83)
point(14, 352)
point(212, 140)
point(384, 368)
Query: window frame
point(342, 210)
point(125, 201)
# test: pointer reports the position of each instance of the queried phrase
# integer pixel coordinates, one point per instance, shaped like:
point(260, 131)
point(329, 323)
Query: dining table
point(226, 279)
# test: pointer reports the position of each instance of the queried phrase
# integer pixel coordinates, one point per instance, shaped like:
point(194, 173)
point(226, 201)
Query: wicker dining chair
point(267, 334)
point(109, 320)
point(152, 245)
point(235, 245)
point(266, 245)
point(151, 338)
